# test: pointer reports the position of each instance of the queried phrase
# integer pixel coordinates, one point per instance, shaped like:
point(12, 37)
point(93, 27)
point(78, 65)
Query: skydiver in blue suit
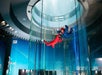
point(65, 32)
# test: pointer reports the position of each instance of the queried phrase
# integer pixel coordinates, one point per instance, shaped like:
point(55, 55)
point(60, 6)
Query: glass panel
point(69, 57)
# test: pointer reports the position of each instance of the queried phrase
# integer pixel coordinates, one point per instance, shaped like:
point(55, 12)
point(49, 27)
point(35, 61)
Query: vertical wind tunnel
point(34, 57)
point(69, 57)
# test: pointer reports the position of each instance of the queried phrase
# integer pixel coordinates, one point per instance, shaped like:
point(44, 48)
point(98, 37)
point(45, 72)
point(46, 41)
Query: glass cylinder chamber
point(70, 57)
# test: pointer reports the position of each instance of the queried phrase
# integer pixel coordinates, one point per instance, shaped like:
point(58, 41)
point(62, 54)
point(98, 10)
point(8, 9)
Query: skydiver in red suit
point(56, 40)
point(62, 33)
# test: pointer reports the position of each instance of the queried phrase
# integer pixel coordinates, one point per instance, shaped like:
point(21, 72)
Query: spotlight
point(3, 23)
point(7, 25)
point(15, 31)
point(10, 28)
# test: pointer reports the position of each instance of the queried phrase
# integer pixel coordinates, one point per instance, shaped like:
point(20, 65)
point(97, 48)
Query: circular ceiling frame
point(50, 18)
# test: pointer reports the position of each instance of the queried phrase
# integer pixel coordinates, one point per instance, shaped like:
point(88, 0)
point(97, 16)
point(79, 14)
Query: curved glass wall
point(69, 57)
point(56, 13)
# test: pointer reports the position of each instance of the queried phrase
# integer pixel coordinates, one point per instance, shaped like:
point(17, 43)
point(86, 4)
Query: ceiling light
point(7, 25)
point(3, 23)
point(10, 28)
point(15, 31)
